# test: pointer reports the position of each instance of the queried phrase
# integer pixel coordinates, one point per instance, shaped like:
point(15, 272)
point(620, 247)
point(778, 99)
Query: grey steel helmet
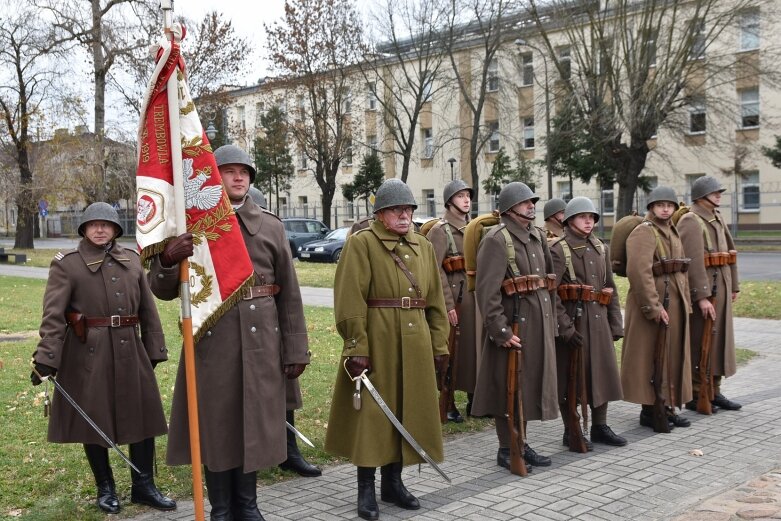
point(514, 193)
point(233, 155)
point(705, 185)
point(393, 192)
point(553, 207)
point(100, 212)
point(662, 193)
point(258, 197)
point(453, 187)
point(578, 205)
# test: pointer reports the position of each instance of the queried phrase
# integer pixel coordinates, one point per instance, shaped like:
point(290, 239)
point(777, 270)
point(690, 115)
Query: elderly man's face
point(397, 219)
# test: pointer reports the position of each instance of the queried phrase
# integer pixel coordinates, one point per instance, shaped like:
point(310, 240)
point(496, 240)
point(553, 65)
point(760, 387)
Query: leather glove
point(575, 340)
point(293, 371)
point(154, 363)
point(356, 364)
point(176, 250)
point(440, 364)
point(44, 370)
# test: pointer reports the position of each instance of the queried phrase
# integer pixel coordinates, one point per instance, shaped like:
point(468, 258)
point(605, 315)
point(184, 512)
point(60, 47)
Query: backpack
point(426, 226)
point(680, 212)
point(473, 234)
point(618, 237)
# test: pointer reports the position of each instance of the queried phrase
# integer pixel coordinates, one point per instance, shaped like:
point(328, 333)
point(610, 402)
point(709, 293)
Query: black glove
point(357, 364)
point(176, 250)
point(154, 363)
point(575, 340)
point(440, 364)
point(293, 371)
point(43, 370)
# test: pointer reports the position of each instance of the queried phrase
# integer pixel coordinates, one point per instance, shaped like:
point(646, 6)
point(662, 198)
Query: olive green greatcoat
point(110, 376)
point(537, 327)
point(598, 324)
point(239, 361)
point(643, 305)
point(400, 343)
point(701, 284)
point(469, 341)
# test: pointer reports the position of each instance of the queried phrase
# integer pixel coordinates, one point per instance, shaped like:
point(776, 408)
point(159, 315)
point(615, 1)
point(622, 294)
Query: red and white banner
point(174, 150)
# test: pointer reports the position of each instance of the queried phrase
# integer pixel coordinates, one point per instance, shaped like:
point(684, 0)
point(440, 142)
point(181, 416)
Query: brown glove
point(357, 364)
point(176, 250)
point(440, 364)
point(293, 371)
point(575, 340)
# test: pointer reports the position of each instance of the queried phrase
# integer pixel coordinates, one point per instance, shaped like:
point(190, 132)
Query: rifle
point(447, 381)
point(706, 391)
point(515, 400)
point(659, 410)
point(575, 377)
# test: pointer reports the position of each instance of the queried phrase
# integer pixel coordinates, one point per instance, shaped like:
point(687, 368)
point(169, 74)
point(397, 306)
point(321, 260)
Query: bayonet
point(298, 433)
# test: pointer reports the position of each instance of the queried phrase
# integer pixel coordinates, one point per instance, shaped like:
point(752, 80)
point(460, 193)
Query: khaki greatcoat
point(598, 324)
point(701, 285)
point(110, 376)
point(537, 325)
point(400, 343)
point(644, 304)
point(469, 341)
point(239, 361)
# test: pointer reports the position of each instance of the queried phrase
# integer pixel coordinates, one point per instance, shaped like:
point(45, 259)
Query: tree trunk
point(627, 180)
point(25, 202)
point(99, 70)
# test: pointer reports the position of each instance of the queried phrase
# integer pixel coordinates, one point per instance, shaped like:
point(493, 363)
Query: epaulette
point(263, 210)
point(61, 255)
point(356, 232)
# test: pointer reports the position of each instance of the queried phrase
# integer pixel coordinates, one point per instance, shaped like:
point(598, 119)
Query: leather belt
point(112, 321)
point(266, 290)
point(403, 302)
point(668, 266)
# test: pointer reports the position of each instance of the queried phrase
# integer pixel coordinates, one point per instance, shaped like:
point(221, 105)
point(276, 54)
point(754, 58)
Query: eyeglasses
point(398, 211)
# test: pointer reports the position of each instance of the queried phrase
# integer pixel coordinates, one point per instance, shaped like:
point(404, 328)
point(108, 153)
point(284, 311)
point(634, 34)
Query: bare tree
point(316, 45)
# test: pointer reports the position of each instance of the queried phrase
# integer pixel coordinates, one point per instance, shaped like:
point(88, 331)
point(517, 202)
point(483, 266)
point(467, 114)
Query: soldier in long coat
point(703, 232)
point(397, 330)
point(96, 300)
point(243, 360)
point(447, 237)
point(651, 242)
point(553, 213)
point(537, 327)
point(580, 259)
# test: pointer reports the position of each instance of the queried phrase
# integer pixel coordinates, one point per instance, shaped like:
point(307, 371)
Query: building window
point(300, 104)
point(428, 143)
point(565, 62)
point(348, 152)
point(493, 75)
point(604, 55)
point(749, 30)
point(371, 141)
point(428, 86)
point(608, 202)
point(562, 187)
point(431, 203)
point(350, 209)
point(697, 119)
point(749, 192)
point(698, 39)
point(258, 115)
point(371, 95)
point(527, 67)
point(302, 160)
point(493, 140)
point(241, 116)
point(650, 46)
point(528, 132)
point(749, 107)
point(347, 101)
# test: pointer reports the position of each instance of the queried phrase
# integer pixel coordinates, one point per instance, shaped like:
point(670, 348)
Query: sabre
point(298, 433)
point(395, 421)
point(87, 418)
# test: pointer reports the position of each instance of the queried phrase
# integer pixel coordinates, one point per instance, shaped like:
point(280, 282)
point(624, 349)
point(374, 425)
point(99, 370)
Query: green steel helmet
point(233, 155)
point(453, 187)
point(258, 197)
point(393, 192)
point(662, 193)
point(705, 185)
point(553, 207)
point(514, 193)
point(578, 205)
point(100, 212)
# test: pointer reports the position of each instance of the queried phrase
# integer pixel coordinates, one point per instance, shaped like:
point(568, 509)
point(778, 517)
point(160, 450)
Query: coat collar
point(522, 233)
point(454, 219)
point(709, 216)
point(93, 256)
point(250, 215)
point(665, 227)
point(577, 243)
point(390, 239)
point(553, 226)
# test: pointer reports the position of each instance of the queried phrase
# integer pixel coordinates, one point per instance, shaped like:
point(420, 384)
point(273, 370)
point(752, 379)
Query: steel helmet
point(453, 187)
point(553, 207)
point(233, 155)
point(100, 212)
point(705, 185)
point(578, 205)
point(514, 193)
point(393, 192)
point(662, 193)
point(258, 197)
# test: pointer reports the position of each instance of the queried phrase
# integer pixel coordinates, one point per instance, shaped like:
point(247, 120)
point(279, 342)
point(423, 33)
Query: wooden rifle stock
point(659, 411)
point(705, 393)
point(515, 403)
point(447, 381)
point(575, 379)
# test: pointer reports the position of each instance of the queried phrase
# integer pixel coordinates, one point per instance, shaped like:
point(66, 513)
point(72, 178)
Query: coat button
point(122, 341)
point(208, 333)
point(276, 328)
point(504, 330)
point(110, 264)
point(253, 329)
point(118, 293)
point(91, 349)
point(545, 299)
point(410, 324)
point(533, 255)
point(162, 350)
point(51, 355)
point(409, 289)
point(113, 279)
point(252, 307)
point(160, 275)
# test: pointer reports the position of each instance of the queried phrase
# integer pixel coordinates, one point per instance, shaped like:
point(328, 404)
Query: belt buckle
point(247, 294)
point(406, 302)
point(115, 320)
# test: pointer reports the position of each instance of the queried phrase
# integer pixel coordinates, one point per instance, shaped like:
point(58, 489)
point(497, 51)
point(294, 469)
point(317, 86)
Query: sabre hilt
point(357, 380)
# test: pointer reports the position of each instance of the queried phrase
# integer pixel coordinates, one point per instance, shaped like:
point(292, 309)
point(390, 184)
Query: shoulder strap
point(402, 267)
point(659, 245)
point(508, 242)
point(705, 234)
point(451, 242)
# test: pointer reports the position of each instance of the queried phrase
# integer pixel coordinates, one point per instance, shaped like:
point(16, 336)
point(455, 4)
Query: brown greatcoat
point(701, 284)
point(643, 305)
point(598, 324)
point(553, 228)
point(401, 345)
point(239, 361)
point(537, 324)
point(469, 343)
point(110, 376)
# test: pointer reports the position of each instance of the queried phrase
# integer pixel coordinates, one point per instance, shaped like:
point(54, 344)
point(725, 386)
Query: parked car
point(328, 250)
point(300, 230)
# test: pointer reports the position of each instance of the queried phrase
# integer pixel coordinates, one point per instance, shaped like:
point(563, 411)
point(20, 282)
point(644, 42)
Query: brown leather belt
point(454, 264)
point(112, 321)
point(668, 266)
point(528, 284)
point(403, 302)
point(584, 293)
point(266, 290)
point(721, 258)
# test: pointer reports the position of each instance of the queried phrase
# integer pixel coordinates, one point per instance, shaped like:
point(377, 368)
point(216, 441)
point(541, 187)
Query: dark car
point(327, 250)
point(300, 230)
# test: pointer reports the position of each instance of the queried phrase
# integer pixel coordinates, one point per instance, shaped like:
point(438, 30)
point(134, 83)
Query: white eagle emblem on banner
point(195, 194)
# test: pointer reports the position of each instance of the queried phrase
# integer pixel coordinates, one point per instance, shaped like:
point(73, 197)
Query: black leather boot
point(565, 439)
point(219, 487)
point(367, 501)
point(503, 459)
point(295, 461)
point(393, 490)
point(532, 458)
point(604, 434)
point(97, 457)
point(144, 491)
point(245, 496)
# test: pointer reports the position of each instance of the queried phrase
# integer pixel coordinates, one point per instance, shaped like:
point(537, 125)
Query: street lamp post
point(452, 161)
point(520, 42)
point(211, 132)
